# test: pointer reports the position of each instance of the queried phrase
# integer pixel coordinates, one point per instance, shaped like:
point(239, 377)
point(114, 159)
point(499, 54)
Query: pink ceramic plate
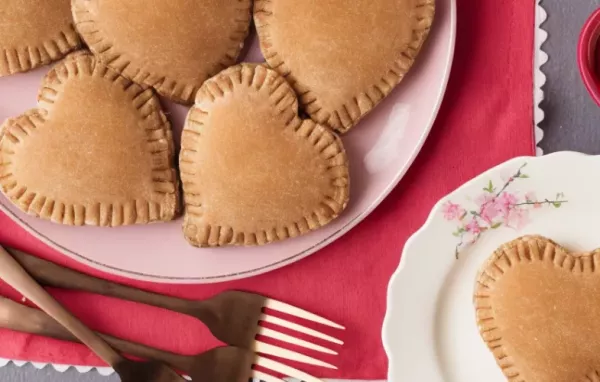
point(381, 150)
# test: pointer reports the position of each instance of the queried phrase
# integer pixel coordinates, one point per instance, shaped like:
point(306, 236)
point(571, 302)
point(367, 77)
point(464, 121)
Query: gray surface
point(28, 373)
point(572, 123)
point(572, 118)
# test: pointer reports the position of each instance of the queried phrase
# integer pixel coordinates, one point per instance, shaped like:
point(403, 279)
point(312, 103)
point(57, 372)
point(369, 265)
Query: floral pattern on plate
point(495, 207)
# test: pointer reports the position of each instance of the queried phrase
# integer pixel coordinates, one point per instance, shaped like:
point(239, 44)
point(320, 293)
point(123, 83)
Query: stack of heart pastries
point(261, 159)
point(537, 307)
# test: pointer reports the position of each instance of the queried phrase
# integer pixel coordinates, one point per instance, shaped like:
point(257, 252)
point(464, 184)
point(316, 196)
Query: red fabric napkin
point(486, 118)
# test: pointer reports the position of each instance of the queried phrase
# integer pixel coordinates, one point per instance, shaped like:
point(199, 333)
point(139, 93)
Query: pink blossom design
point(517, 218)
point(452, 211)
point(488, 210)
point(530, 197)
point(505, 202)
point(473, 227)
point(496, 207)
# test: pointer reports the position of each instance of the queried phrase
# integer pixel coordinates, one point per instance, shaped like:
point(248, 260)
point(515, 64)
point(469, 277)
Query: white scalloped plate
point(430, 333)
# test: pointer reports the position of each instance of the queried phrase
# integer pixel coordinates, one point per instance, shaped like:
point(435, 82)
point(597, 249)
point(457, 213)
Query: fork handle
point(20, 318)
point(14, 275)
point(50, 274)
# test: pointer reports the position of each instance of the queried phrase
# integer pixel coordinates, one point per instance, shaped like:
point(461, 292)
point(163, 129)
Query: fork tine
point(293, 340)
point(261, 347)
point(290, 309)
point(264, 377)
point(286, 370)
point(299, 328)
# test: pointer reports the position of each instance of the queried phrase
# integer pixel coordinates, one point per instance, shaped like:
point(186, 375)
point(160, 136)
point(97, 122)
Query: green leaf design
point(524, 176)
point(459, 231)
point(463, 215)
point(490, 188)
point(496, 225)
point(557, 204)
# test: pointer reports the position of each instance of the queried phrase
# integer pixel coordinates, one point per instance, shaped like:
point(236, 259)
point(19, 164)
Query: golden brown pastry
point(172, 45)
point(342, 57)
point(537, 310)
point(34, 33)
point(254, 172)
point(97, 150)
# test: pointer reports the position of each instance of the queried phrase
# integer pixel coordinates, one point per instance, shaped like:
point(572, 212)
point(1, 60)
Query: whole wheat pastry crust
point(529, 262)
point(325, 99)
point(174, 73)
point(45, 176)
point(35, 33)
point(301, 184)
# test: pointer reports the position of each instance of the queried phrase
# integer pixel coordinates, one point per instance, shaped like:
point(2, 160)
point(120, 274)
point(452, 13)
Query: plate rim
point(295, 257)
point(435, 213)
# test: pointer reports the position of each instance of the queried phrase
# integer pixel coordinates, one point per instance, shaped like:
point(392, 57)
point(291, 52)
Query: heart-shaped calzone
point(34, 33)
point(537, 309)
point(342, 57)
point(172, 45)
point(97, 150)
point(253, 171)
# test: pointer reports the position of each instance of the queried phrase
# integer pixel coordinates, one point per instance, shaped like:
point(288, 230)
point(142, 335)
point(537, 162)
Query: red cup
point(588, 55)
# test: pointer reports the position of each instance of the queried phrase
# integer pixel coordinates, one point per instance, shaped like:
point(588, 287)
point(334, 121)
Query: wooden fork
point(224, 364)
point(128, 371)
point(233, 317)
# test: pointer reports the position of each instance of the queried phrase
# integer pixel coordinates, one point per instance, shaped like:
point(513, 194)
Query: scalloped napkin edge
point(107, 371)
point(539, 78)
